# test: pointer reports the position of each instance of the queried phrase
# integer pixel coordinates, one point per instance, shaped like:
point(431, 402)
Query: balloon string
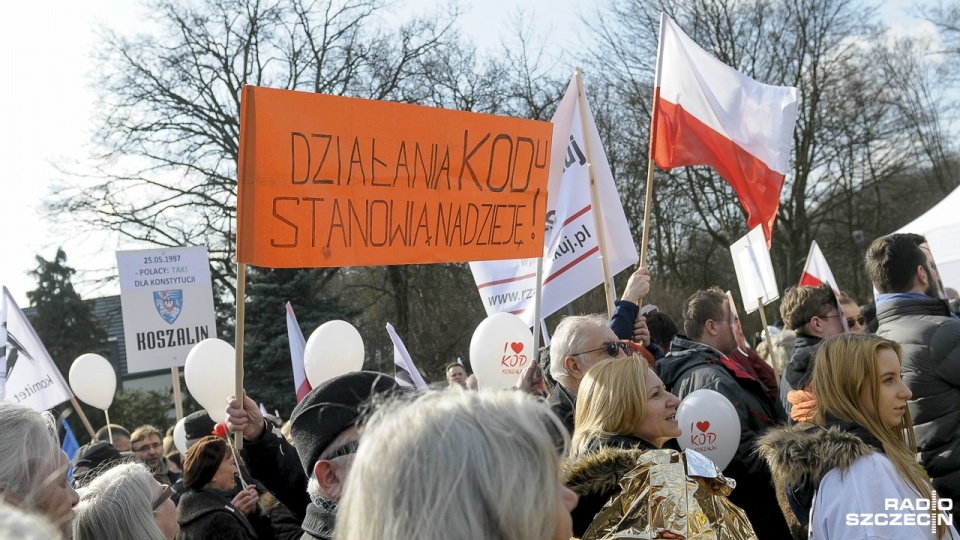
point(236, 463)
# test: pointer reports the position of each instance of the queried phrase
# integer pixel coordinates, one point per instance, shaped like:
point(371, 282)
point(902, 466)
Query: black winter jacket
point(930, 338)
point(206, 515)
point(693, 366)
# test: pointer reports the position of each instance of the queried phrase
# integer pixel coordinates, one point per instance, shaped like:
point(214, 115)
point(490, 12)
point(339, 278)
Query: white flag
point(751, 260)
point(571, 254)
point(30, 376)
point(407, 374)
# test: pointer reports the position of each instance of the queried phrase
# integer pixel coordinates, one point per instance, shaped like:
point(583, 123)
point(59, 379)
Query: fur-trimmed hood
point(600, 471)
point(802, 454)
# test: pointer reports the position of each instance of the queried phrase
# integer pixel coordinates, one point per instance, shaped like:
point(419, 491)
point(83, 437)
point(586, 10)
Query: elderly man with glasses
point(699, 360)
point(326, 427)
point(578, 342)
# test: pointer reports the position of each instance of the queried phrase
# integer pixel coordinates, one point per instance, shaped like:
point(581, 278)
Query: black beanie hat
point(94, 454)
point(198, 425)
point(331, 408)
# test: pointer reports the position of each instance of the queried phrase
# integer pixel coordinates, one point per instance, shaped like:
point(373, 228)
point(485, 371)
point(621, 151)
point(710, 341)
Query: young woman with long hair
point(854, 474)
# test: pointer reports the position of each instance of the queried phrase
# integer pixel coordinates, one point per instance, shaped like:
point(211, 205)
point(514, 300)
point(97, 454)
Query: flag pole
point(648, 201)
point(177, 402)
point(763, 320)
point(536, 310)
point(238, 340)
point(83, 417)
point(608, 287)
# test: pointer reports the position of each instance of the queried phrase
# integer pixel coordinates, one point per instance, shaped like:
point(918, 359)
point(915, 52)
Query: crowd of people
point(848, 429)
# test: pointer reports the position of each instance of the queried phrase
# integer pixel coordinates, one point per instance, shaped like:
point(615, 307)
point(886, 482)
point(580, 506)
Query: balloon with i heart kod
point(709, 424)
point(335, 348)
point(501, 347)
point(211, 375)
point(93, 380)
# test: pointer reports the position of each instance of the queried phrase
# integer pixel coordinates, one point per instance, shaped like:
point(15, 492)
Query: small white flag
point(406, 373)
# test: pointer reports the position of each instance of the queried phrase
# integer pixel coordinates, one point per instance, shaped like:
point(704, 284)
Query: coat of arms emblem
point(168, 304)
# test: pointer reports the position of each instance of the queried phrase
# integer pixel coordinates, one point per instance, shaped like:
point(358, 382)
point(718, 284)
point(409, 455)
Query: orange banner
point(335, 181)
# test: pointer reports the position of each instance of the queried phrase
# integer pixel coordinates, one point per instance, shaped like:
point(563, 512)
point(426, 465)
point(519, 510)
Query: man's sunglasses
point(612, 348)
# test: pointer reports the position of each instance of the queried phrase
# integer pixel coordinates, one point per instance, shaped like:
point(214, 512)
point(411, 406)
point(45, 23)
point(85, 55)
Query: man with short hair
point(121, 437)
point(813, 313)
point(912, 310)
point(579, 342)
point(700, 360)
point(310, 479)
point(147, 443)
point(456, 375)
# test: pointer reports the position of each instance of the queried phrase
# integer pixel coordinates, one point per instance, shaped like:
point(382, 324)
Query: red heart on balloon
point(516, 346)
point(703, 426)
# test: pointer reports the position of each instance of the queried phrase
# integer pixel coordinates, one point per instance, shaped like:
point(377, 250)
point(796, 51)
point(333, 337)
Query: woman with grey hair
point(125, 502)
point(33, 468)
point(457, 466)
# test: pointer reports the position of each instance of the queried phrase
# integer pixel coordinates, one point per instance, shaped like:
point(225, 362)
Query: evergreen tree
point(65, 324)
point(268, 375)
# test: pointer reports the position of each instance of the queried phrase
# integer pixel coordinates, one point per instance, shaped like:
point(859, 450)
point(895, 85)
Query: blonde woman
point(625, 424)
point(623, 404)
point(854, 474)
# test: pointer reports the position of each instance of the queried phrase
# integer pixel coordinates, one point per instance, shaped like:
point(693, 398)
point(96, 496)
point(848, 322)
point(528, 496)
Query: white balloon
point(93, 380)
point(211, 375)
point(180, 437)
point(334, 348)
point(501, 347)
point(709, 424)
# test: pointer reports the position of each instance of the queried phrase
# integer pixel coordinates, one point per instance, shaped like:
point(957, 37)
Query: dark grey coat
point(930, 338)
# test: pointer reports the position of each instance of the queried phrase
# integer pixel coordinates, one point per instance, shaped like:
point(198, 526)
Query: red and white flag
point(817, 272)
point(707, 113)
point(297, 345)
point(571, 251)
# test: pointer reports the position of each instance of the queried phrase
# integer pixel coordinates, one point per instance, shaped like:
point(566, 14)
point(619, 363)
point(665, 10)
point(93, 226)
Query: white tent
point(941, 226)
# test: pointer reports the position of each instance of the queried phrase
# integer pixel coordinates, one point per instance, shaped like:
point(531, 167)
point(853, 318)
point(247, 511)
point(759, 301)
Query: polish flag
point(817, 272)
point(707, 113)
point(297, 345)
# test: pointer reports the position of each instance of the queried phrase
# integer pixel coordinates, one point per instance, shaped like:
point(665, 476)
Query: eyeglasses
point(165, 494)
point(612, 348)
point(853, 321)
point(146, 447)
point(345, 450)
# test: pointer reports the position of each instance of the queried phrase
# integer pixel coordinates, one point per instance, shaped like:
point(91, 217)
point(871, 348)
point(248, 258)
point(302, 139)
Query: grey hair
point(29, 453)
point(485, 461)
point(118, 504)
point(569, 337)
point(17, 524)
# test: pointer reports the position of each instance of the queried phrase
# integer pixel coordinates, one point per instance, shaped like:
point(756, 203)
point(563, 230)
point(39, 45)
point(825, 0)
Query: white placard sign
point(751, 260)
point(167, 301)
